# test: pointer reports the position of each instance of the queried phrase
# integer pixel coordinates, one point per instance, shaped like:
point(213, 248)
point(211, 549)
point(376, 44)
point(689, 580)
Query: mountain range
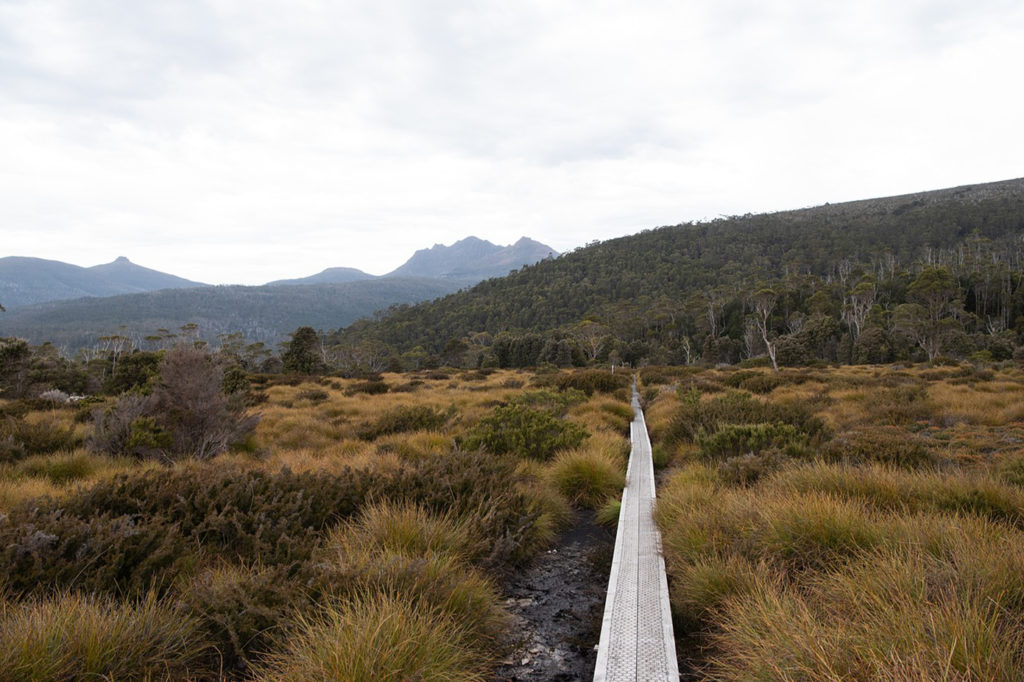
point(24, 281)
point(71, 306)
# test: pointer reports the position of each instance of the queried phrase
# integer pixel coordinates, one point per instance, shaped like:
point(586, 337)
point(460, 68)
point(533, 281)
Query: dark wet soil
point(556, 604)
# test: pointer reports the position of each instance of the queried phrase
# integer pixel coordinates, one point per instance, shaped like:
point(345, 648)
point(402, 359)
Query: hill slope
point(24, 281)
point(265, 313)
point(643, 286)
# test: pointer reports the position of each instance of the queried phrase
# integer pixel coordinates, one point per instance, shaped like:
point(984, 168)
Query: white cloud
point(232, 141)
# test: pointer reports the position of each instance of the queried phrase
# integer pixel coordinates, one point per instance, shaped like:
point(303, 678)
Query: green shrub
point(653, 375)
point(187, 414)
point(886, 444)
point(659, 456)
point(133, 533)
point(73, 637)
point(749, 468)
point(368, 387)
point(243, 611)
point(313, 395)
point(133, 372)
point(589, 381)
point(405, 418)
point(696, 417)
point(900, 405)
point(519, 430)
point(556, 402)
point(733, 440)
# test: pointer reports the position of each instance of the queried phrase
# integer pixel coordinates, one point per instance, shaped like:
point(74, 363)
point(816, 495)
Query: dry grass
point(376, 637)
point(863, 569)
point(405, 599)
point(15, 491)
point(74, 637)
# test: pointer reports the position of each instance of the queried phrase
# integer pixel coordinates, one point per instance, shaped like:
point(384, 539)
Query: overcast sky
point(240, 141)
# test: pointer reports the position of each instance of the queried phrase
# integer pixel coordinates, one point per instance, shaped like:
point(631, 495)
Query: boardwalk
point(636, 636)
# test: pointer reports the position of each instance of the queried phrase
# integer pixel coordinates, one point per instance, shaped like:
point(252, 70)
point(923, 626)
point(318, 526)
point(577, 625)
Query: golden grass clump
point(75, 637)
point(405, 529)
point(828, 572)
point(379, 637)
point(416, 445)
point(888, 488)
point(588, 475)
point(994, 404)
point(15, 491)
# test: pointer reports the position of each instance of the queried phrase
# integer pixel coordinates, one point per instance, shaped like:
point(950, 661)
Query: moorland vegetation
point(844, 523)
point(198, 522)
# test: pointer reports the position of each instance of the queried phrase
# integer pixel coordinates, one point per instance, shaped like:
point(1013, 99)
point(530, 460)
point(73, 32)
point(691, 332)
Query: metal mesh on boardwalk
point(637, 643)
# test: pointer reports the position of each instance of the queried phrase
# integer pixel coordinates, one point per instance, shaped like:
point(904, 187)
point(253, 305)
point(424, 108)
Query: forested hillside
point(837, 283)
point(262, 314)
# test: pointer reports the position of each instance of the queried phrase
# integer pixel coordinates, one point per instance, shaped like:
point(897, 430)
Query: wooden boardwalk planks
point(637, 643)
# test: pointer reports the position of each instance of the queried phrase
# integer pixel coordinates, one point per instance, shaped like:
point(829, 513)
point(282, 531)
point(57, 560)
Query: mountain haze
point(473, 259)
point(104, 301)
point(328, 276)
point(24, 281)
point(263, 313)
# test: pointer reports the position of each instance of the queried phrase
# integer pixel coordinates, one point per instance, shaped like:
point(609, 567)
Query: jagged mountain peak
point(472, 259)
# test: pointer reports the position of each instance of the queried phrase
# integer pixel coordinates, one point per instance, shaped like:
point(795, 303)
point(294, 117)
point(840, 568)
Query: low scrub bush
point(368, 387)
point(900, 405)
point(74, 637)
point(753, 381)
point(660, 456)
point(405, 418)
point(734, 440)
point(134, 533)
point(243, 611)
point(700, 418)
point(886, 444)
point(556, 402)
point(751, 467)
point(653, 375)
point(588, 381)
point(526, 432)
point(313, 395)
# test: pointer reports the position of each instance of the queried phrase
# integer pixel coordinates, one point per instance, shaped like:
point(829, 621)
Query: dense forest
point(265, 313)
point(910, 277)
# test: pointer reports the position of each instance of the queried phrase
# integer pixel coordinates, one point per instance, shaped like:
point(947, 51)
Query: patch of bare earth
point(556, 606)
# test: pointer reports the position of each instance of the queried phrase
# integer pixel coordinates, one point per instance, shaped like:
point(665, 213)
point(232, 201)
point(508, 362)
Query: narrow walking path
point(637, 642)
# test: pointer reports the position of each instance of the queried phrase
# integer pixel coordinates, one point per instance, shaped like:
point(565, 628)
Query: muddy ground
point(556, 604)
